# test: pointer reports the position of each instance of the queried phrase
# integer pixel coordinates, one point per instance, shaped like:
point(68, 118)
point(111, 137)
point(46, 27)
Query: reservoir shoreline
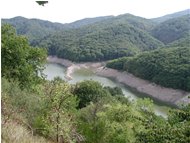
point(169, 96)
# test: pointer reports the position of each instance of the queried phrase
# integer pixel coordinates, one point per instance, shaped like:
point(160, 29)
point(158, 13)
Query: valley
point(168, 96)
point(88, 81)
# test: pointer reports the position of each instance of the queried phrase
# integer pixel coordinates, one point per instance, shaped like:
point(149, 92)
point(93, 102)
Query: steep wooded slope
point(170, 16)
point(103, 38)
point(124, 35)
point(169, 67)
point(172, 29)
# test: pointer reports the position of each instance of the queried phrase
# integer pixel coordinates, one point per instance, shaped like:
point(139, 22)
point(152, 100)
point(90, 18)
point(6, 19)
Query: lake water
point(52, 70)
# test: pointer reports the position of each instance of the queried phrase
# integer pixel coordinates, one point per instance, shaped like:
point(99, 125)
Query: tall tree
point(89, 91)
point(59, 118)
point(20, 61)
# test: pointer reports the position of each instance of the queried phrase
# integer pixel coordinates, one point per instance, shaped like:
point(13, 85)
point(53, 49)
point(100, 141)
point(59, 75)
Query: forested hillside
point(182, 42)
point(33, 28)
point(168, 67)
point(95, 39)
point(37, 110)
point(86, 21)
point(100, 42)
point(173, 29)
point(124, 35)
point(104, 38)
point(170, 16)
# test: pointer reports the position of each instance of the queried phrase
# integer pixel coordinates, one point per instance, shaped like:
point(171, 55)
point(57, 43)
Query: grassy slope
point(13, 132)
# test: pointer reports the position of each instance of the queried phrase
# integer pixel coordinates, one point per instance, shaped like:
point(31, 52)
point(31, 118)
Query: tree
point(19, 60)
point(58, 118)
point(89, 91)
point(168, 67)
point(109, 123)
point(89, 123)
point(174, 130)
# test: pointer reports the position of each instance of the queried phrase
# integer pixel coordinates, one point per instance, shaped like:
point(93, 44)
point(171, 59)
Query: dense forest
point(172, 29)
point(37, 110)
point(169, 67)
point(100, 43)
point(104, 38)
point(171, 16)
point(53, 114)
point(120, 36)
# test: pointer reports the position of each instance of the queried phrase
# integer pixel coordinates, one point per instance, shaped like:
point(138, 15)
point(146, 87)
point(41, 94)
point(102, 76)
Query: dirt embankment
point(167, 95)
point(163, 94)
point(71, 67)
point(64, 62)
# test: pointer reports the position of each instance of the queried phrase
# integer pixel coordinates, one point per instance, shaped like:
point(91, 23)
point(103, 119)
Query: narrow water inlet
point(52, 70)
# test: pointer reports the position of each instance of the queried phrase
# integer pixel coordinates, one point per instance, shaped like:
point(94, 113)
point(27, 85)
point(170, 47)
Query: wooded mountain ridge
point(104, 38)
point(38, 110)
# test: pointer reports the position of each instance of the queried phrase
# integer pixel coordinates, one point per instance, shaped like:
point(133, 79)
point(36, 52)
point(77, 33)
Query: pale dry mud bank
point(64, 62)
point(71, 66)
point(166, 95)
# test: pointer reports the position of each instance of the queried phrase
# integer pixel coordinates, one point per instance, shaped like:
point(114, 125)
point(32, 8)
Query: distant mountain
point(119, 36)
point(104, 38)
point(172, 29)
point(37, 29)
point(170, 16)
point(33, 28)
point(86, 21)
point(136, 21)
point(182, 42)
point(169, 67)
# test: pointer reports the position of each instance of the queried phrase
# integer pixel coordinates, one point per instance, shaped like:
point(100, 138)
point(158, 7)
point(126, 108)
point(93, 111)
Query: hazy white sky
point(65, 11)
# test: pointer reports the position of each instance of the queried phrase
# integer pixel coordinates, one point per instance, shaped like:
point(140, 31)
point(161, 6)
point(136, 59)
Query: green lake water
point(52, 70)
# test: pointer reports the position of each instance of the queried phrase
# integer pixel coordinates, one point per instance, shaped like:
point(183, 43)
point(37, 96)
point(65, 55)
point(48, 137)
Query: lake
point(52, 70)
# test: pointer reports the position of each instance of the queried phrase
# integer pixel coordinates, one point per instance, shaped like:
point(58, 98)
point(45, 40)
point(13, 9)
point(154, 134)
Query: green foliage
point(170, 16)
point(89, 125)
point(117, 63)
point(177, 116)
point(145, 105)
point(115, 91)
point(100, 41)
point(168, 67)
point(36, 29)
point(174, 130)
point(20, 106)
point(58, 118)
point(33, 29)
point(172, 29)
point(88, 112)
point(109, 123)
point(182, 42)
point(103, 38)
point(89, 91)
point(20, 61)
point(52, 112)
point(95, 39)
point(15, 133)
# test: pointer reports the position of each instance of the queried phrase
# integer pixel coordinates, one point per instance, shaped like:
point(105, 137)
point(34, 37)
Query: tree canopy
point(87, 111)
point(19, 60)
point(168, 67)
point(173, 29)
